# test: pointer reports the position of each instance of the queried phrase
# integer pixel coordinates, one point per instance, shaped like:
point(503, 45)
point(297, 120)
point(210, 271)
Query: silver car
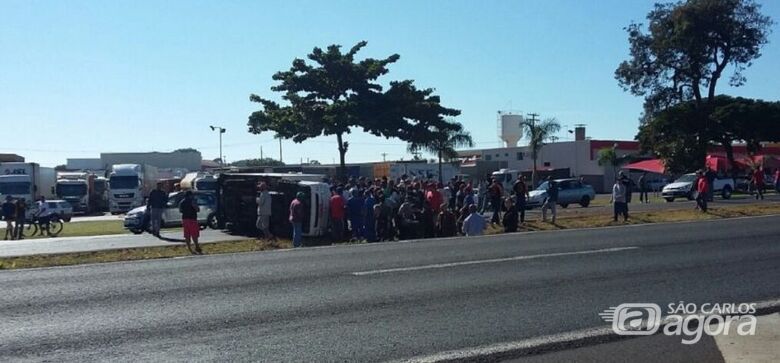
point(570, 191)
point(137, 220)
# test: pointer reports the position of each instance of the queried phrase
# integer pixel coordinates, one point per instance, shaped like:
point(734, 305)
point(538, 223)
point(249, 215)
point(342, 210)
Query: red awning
point(651, 166)
point(721, 163)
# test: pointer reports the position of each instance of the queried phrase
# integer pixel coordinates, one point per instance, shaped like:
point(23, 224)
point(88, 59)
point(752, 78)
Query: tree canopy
point(538, 134)
point(186, 150)
point(333, 93)
point(686, 48)
point(680, 134)
point(257, 162)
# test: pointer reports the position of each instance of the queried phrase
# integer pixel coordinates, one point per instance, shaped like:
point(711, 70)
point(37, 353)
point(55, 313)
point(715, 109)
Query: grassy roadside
point(133, 254)
point(247, 245)
point(84, 229)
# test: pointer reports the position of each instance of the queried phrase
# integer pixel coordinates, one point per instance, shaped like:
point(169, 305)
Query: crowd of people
point(407, 208)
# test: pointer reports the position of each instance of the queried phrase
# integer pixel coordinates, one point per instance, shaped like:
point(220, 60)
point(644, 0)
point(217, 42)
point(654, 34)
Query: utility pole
point(280, 150)
point(221, 131)
point(533, 117)
point(384, 157)
point(261, 152)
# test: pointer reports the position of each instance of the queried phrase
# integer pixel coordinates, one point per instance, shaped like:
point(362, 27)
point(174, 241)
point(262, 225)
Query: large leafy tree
point(686, 48)
point(538, 134)
point(443, 143)
point(680, 57)
point(334, 93)
point(257, 162)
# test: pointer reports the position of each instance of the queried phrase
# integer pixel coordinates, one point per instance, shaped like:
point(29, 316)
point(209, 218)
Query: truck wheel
point(726, 193)
point(669, 200)
point(585, 201)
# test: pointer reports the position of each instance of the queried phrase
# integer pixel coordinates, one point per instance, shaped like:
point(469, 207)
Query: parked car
point(683, 188)
point(137, 220)
point(570, 191)
point(59, 208)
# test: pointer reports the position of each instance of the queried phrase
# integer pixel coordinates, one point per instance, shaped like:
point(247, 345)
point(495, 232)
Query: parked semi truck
point(101, 194)
point(129, 185)
point(78, 189)
point(200, 181)
point(26, 180)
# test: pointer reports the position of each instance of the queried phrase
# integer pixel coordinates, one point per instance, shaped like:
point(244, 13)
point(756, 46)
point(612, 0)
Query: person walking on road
point(521, 196)
point(702, 190)
point(618, 200)
point(777, 180)
point(263, 202)
point(474, 224)
point(551, 200)
point(758, 181)
point(9, 214)
point(496, 193)
point(21, 217)
point(296, 218)
point(643, 198)
point(189, 221)
point(158, 200)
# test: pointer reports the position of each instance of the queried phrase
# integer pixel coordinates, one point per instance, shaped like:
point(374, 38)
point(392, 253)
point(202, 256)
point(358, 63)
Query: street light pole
point(221, 131)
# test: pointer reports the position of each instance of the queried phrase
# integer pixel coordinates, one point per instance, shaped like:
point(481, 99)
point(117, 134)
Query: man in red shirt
point(777, 180)
point(434, 198)
point(337, 206)
point(758, 182)
point(702, 188)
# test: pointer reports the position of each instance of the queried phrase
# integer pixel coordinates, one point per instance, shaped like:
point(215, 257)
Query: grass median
point(84, 229)
point(249, 245)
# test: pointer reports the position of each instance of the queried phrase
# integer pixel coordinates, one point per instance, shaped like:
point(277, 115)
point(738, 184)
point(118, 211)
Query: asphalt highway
point(380, 302)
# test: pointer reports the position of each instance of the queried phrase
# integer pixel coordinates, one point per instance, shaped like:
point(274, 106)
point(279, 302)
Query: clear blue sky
point(81, 77)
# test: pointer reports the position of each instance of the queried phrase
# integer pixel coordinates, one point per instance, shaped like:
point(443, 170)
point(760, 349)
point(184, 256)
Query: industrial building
point(579, 157)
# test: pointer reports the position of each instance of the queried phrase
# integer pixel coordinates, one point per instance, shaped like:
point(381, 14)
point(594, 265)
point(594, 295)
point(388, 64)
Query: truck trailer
point(26, 180)
point(129, 185)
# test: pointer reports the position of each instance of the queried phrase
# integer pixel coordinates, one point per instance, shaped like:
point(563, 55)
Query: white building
point(580, 157)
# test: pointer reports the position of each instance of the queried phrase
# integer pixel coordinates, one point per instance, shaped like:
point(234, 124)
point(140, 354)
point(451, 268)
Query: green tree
point(186, 150)
point(257, 162)
point(538, 134)
point(688, 46)
point(443, 143)
point(681, 56)
point(337, 93)
point(609, 156)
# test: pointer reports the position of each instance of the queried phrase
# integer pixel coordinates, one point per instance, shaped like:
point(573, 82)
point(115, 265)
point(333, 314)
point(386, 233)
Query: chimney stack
point(579, 133)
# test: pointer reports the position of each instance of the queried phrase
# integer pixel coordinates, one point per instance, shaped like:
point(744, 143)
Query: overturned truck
point(237, 209)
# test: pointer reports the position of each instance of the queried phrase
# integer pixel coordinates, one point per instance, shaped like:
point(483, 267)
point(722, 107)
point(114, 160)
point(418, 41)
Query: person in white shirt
point(43, 215)
point(263, 201)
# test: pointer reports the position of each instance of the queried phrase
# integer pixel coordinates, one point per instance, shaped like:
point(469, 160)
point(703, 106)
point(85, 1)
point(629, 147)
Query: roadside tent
point(721, 163)
point(766, 161)
point(651, 166)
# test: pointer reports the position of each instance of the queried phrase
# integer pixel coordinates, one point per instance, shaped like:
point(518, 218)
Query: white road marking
point(493, 260)
point(474, 353)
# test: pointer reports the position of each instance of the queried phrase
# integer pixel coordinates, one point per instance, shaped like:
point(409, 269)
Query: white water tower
point(510, 130)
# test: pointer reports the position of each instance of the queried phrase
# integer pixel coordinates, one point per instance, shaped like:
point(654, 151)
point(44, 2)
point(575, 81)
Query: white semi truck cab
point(77, 188)
point(129, 185)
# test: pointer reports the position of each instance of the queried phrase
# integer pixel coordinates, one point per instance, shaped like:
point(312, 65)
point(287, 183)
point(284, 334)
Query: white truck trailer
point(129, 185)
point(26, 180)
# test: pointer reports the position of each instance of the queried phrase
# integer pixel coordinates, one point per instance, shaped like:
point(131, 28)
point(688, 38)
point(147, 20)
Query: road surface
point(382, 302)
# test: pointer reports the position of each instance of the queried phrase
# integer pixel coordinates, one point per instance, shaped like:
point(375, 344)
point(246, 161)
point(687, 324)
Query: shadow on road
point(172, 240)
